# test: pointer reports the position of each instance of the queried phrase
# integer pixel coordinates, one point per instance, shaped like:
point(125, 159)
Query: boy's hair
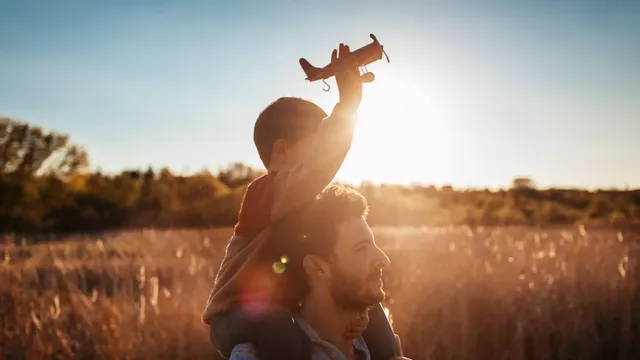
point(288, 118)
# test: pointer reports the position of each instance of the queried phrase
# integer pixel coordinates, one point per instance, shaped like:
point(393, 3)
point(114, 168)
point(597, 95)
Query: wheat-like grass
point(453, 293)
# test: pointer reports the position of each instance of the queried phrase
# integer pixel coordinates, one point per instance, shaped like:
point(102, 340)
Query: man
point(302, 150)
point(334, 268)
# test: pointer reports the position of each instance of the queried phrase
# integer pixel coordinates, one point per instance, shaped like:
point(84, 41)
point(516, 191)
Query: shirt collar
point(358, 343)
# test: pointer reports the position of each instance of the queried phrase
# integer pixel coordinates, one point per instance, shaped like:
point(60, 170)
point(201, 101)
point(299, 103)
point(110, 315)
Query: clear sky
point(475, 94)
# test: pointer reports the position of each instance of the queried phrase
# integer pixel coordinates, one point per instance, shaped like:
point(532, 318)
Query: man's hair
point(288, 118)
point(313, 231)
point(319, 224)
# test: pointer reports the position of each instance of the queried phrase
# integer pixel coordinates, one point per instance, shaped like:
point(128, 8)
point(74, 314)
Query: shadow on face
point(356, 268)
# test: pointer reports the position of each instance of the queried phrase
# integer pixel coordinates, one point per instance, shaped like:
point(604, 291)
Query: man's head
point(338, 254)
point(285, 131)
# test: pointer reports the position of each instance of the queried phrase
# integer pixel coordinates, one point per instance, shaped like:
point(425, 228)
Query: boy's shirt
point(243, 276)
point(255, 211)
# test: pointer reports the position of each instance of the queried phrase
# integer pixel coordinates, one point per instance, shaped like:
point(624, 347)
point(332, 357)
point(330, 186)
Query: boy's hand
point(358, 325)
point(348, 77)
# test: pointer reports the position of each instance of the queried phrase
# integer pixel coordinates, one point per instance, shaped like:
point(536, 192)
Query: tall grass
point(453, 293)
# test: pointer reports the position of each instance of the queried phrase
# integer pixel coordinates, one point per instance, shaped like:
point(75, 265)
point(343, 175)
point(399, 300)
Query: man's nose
point(383, 260)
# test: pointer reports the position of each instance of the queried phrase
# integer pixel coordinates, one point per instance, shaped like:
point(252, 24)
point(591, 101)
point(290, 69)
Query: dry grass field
point(453, 293)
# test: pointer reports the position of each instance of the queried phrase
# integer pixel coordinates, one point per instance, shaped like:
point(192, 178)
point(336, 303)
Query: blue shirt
point(320, 349)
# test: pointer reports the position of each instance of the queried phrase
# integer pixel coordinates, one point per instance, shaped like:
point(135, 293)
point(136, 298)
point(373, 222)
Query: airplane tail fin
point(309, 70)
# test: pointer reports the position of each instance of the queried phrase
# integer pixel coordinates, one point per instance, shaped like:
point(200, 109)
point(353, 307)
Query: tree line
point(45, 188)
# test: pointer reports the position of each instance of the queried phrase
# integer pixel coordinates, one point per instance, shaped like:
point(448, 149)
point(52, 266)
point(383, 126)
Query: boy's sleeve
point(302, 183)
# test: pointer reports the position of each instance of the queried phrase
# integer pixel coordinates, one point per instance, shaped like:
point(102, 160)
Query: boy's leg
point(274, 334)
point(229, 329)
point(277, 337)
point(379, 336)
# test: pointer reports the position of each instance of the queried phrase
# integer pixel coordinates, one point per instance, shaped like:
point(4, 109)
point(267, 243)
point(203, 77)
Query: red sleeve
point(255, 211)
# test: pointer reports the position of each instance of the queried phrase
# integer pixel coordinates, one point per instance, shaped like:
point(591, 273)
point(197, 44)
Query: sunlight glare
point(404, 134)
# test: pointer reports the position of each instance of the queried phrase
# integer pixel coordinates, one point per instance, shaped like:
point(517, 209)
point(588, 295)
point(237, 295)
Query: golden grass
point(453, 293)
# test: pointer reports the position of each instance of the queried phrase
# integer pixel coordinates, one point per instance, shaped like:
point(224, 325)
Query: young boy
point(302, 151)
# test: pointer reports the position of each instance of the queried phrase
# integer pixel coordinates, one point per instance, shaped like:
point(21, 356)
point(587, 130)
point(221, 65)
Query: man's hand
point(358, 325)
point(348, 77)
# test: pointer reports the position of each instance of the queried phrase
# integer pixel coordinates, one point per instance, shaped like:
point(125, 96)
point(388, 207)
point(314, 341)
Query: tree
point(28, 150)
point(523, 183)
point(237, 174)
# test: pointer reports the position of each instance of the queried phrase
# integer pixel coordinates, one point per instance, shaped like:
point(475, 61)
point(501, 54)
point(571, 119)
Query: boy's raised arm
point(333, 141)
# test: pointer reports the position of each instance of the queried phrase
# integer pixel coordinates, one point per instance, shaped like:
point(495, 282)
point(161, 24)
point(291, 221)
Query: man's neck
point(329, 322)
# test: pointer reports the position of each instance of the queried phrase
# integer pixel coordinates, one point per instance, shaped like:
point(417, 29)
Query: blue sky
point(475, 94)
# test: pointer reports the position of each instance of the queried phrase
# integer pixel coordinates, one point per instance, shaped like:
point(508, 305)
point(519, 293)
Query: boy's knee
point(229, 329)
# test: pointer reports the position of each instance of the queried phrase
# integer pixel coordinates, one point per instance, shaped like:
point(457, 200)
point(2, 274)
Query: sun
point(404, 134)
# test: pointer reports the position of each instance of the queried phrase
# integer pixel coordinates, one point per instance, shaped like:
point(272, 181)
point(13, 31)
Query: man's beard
point(353, 294)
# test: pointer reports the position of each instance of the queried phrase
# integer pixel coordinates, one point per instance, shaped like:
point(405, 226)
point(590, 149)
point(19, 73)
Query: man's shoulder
point(244, 351)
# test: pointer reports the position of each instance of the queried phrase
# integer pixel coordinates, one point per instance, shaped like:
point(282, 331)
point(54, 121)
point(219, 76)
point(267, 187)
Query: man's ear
point(316, 267)
point(279, 149)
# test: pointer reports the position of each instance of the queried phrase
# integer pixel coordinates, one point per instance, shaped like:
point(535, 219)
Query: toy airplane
point(365, 55)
